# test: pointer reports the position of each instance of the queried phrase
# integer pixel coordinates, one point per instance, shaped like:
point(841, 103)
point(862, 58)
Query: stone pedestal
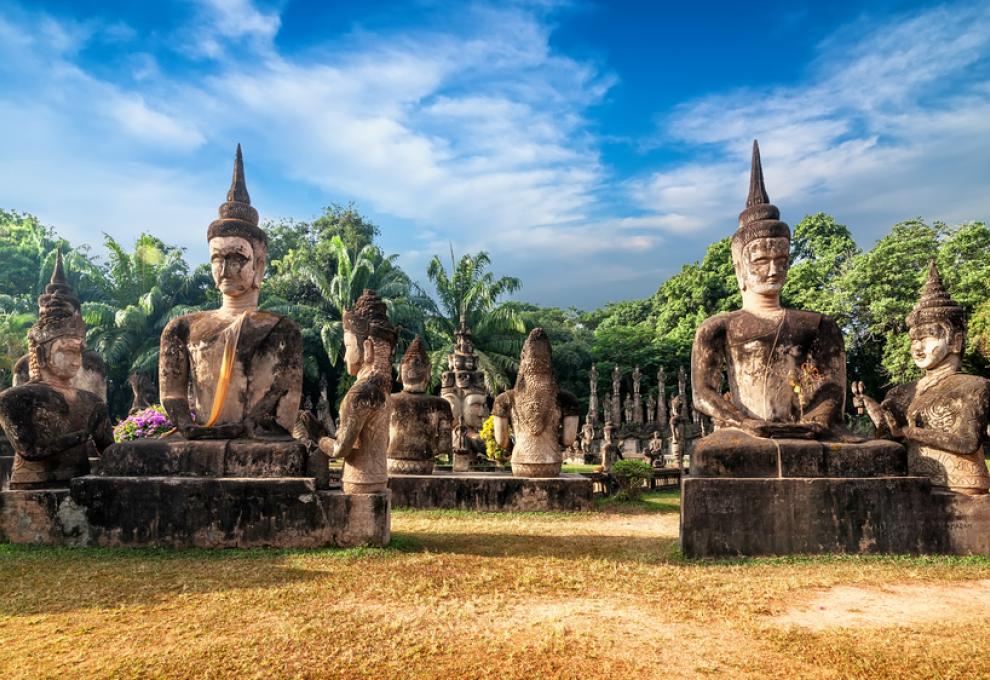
point(462, 462)
point(748, 496)
point(204, 494)
point(491, 492)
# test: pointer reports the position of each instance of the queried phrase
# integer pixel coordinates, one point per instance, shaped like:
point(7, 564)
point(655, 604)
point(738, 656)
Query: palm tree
point(140, 293)
point(471, 293)
point(339, 282)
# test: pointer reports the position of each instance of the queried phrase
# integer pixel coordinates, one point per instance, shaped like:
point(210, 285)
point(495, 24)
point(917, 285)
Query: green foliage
point(493, 451)
point(470, 291)
point(630, 474)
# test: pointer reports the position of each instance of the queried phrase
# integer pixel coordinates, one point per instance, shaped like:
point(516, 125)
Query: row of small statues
point(239, 369)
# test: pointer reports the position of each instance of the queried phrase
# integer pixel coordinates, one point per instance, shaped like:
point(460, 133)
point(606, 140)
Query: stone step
point(204, 458)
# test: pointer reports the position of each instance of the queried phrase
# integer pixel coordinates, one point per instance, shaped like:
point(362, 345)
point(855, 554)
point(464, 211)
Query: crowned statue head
point(416, 368)
point(238, 246)
point(57, 340)
point(761, 245)
point(936, 325)
point(369, 337)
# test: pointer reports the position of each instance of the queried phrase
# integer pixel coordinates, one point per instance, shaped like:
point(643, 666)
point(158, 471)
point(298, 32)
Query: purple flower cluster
point(151, 422)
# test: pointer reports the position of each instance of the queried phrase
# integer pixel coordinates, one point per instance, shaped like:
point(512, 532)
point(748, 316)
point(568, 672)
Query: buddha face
point(232, 260)
point(415, 374)
point(475, 410)
point(353, 354)
point(764, 264)
point(63, 358)
point(933, 343)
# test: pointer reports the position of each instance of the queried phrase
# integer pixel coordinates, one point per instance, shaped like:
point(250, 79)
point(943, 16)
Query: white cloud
point(888, 126)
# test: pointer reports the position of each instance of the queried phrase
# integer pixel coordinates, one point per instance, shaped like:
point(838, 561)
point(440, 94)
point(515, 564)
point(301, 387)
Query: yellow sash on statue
point(233, 333)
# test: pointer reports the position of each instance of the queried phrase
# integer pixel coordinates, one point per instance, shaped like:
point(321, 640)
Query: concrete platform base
point(726, 517)
point(490, 492)
point(183, 512)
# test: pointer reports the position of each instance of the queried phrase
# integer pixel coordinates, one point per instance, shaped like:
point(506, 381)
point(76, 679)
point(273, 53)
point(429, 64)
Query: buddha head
point(369, 337)
point(238, 247)
point(936, 326)
point(415, 368)
point(56, 342)
point(761, 247)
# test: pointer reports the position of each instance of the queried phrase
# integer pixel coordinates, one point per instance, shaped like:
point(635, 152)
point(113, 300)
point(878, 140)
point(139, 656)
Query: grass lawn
point(458, 594)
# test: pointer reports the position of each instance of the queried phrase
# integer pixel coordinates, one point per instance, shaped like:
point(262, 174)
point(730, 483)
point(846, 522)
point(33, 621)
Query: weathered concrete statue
point(654, 451)
point(941, 418)
point(363, 428)
point(52, 425)
point(544, 417)
point(587, 436)
point(463, 386)
point(628, 409)
point(610, 451)
point(239, 369)
point(678, 436)
point(420, 428)
point(786, 368)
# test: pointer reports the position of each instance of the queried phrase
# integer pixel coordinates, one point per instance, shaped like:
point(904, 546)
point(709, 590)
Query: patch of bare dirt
point(890, 605)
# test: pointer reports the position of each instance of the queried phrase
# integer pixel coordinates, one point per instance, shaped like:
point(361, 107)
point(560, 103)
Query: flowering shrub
point(492, 450)
point(151, 422)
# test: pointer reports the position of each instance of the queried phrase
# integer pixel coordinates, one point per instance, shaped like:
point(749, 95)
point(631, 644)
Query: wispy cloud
point(889, 124)
point(474, 130)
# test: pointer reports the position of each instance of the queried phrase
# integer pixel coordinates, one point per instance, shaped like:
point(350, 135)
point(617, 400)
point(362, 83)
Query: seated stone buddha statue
point(941, 418)
point(785, 368)
point(237, 368)
point(53, 426)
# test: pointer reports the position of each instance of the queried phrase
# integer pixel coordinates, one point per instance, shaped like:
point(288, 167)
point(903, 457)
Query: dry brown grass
point(602, 594)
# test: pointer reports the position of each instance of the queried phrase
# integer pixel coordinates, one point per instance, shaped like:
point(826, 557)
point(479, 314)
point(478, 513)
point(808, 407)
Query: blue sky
point(592, 148)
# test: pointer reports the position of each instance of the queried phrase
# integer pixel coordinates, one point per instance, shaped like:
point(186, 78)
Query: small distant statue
point(651, 409)
point(941, 418)
point(654, 451)
point(587, 436)
point(628, 408)
point(610, 451)
point(362, 437)
point(678, 440)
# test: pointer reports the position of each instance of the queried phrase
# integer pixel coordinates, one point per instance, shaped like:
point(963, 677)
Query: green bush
point(630, 474)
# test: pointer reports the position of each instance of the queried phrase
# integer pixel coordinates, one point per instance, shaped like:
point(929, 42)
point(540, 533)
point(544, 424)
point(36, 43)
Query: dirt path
point(890, 605)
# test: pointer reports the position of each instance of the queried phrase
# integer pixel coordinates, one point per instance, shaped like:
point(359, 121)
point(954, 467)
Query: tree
point(471, 292)
point(141, 292)
point(821, 251)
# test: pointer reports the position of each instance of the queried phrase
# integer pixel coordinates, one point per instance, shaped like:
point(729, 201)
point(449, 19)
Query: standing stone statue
point(682, 389)
point(628, 409)
point(616, 414)
point(593, 395)
point(606, 408)
point(941, 418)
point(651, 409)
point(662, 398)
point(767, 350)
point(637, 398)
point(238, 368)
point(53, 426)
point(323, 414)
point(544, 417)
point(678, 438)
point(587, 436)
point(363, 430)
point(654, 451)
point(610, 451)
point(420, 428)
point(463, 386)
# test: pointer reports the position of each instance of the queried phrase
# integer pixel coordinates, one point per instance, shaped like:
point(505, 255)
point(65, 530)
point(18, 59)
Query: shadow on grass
point(627, 549)
point(46, 580)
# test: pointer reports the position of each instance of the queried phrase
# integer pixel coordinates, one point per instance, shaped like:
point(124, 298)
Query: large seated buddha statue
point(785, 369)
point(229, 378)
